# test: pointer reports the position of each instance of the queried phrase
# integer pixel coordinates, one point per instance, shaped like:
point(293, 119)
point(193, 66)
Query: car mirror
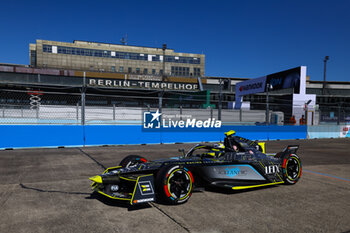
point(182, 151)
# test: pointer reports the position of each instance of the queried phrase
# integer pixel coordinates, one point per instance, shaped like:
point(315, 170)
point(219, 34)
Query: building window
point(47, 48)
point(153, 71)
point(33, 58)
point(117, 54)
point(129, 70)
point(121, 69)
point(113, 68)
point(137, 70)
point(160, 72)
point(145, 71)
point(180, 71)
point(196, 71)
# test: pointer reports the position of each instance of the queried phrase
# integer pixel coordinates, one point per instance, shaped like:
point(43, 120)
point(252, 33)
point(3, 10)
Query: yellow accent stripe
point(128, 179)
point(96, 179)
point(255, 186)
point(276, 172)
point(111, 168)
point(262, 144)
point(262, 165)
point(279, 176)
point(229, 133)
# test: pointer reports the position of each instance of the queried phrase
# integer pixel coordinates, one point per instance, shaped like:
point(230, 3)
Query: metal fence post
point(114, 112)
point(83, 100)
point(160, 101)
point(211, 113)
point(181, 112)
point(338, 119)
point(22, 112)
point(240, 114)
point(37, 111)
point(3, 112)
point(77, 111)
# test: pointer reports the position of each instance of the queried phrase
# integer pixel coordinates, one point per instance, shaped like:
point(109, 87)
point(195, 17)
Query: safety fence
point(38, 107)
point(52, 119)
point(59, 114)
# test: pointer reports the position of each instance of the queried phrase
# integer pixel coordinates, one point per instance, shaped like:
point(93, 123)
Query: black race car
point(236, 164)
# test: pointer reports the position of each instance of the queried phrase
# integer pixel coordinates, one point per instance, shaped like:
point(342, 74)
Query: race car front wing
point(135, 188)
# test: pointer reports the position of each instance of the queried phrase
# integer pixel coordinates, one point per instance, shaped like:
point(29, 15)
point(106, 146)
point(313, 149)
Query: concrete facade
point(103, 57)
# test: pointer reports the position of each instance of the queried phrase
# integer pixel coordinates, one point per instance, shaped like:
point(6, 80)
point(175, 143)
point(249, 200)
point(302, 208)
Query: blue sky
point(239, 38)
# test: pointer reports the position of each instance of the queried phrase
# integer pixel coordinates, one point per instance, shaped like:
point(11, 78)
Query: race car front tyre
point(132, 161)
point(292, 168)
point(174, 184)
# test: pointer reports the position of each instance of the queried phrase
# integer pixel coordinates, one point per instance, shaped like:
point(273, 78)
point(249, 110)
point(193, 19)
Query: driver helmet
point(219, 145)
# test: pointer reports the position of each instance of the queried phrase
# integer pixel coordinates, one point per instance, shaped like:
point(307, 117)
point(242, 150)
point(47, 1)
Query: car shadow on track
point(101, 198)
point(51, 191)
point(111, 202)
point(231, 191)
point(116, 203)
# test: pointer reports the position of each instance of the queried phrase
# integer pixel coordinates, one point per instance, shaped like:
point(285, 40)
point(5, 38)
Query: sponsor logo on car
point(145, 188)
point(144, 200)
point(231, 171)
point(272, 169)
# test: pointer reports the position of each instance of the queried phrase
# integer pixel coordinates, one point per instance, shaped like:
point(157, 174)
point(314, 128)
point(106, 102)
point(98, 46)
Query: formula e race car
point(236, 164)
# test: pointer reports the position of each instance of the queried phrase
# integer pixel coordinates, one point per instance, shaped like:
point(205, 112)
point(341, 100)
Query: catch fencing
point(71, 108)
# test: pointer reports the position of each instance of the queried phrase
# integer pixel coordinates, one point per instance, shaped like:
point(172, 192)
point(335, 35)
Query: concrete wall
point(26, 136)
point(328, 131)
point(23, 136)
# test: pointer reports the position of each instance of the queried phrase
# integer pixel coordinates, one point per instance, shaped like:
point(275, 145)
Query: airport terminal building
point(104, 57)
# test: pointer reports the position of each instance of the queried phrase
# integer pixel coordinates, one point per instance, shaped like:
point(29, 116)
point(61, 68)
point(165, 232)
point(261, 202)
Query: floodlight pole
point(220, 100)
point(163, 75)
point(267, 104)
point(338, 118)
point(326, 58)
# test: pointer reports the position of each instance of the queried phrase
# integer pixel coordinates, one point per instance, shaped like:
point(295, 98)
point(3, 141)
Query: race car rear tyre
point(174, 184)
point(292, 168)
point(132, 161)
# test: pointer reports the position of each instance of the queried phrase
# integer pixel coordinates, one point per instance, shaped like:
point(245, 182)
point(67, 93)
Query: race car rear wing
point(291, 149)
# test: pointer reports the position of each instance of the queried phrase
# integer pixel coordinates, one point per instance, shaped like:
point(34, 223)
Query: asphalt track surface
point(47, 190)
